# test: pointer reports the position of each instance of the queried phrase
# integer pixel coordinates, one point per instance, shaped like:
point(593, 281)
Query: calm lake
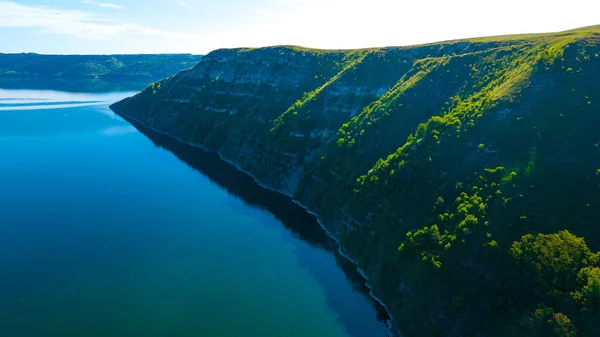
point(107, 230)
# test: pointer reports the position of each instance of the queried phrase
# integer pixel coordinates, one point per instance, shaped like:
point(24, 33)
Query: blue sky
point(199, 26)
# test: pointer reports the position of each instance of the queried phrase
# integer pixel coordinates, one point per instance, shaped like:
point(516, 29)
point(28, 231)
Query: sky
point(199, 26)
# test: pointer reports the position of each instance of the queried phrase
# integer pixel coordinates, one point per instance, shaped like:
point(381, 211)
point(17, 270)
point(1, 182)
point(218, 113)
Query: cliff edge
point(463, 176)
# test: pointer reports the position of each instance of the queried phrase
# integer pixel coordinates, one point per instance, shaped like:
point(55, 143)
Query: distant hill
point(463, 176)
point(105, 67)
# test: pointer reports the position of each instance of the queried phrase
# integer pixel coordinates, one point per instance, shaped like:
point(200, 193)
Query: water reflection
point(118, 130)
point(34, 98)
point(73, 85)
point(50, 113)
point(302, 224)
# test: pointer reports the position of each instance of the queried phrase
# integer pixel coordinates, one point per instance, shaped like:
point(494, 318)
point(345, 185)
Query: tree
point(553, 261)
point(589, 295)
point(545, 322)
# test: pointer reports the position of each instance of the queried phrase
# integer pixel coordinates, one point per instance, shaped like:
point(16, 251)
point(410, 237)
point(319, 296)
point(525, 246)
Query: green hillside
point(463, 176)
point(150, 67)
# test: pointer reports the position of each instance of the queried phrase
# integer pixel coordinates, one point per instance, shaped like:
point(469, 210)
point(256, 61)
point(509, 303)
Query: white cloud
point(102, 4)
point(376, 23)
point(184, 3)
point(78, 23)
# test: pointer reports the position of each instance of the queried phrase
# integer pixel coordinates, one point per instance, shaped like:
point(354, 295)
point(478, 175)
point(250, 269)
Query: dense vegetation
point(463, 176)
point(107, 67)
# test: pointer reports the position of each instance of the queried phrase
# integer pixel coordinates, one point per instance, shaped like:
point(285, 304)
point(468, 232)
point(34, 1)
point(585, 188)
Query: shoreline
point(392, 330)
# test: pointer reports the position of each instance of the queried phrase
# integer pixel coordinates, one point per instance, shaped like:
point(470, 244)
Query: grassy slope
point(517, 153)
point(428, 162)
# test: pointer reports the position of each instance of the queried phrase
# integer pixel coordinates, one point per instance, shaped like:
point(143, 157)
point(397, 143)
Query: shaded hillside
point(449, 171)
point(106, 67)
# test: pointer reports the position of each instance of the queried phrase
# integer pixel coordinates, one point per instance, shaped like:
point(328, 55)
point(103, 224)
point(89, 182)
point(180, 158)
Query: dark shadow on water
point(302, 224)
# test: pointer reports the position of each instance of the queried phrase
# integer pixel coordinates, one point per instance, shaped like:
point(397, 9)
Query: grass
point(468, 147)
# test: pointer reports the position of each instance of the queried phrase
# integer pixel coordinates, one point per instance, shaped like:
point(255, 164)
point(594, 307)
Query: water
point(108, 231)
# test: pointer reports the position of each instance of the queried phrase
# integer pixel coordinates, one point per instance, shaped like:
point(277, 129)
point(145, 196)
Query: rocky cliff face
point(425, 162)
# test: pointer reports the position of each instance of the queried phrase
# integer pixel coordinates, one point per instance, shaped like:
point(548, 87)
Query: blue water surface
point(108, 231)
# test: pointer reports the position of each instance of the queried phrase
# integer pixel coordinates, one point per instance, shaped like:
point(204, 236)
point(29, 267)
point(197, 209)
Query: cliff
point(449, 171)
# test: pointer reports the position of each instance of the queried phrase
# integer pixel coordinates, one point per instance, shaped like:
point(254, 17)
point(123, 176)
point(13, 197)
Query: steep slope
point(435, 166)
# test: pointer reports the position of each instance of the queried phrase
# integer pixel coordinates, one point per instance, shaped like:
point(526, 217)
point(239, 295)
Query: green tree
point(547, 323)
point(553, 261)
point(589, 295)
